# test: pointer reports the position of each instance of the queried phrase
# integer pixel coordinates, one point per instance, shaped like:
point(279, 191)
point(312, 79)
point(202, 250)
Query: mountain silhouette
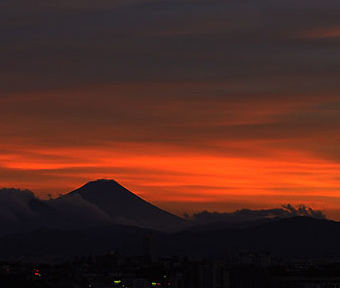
point(124, 207)
point(97, 203)
point(103, 215)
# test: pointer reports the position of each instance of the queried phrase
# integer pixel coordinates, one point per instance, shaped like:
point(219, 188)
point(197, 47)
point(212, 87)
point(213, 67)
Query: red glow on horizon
point(195, 180)
point(185, 157)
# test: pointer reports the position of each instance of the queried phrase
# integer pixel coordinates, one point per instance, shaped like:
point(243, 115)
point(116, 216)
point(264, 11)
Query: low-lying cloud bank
point(247, 215)
point(21, 211)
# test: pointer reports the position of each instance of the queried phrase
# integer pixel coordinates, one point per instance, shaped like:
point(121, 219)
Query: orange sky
point(192, 107)
point(212, 155)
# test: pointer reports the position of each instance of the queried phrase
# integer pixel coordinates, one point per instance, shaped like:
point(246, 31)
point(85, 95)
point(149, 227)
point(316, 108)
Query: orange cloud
point(321, 33)
point(194, 179)
point(183, 153)
point(191, 105)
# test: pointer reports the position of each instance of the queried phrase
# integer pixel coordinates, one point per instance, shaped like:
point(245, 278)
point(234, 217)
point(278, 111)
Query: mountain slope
point(123, 206)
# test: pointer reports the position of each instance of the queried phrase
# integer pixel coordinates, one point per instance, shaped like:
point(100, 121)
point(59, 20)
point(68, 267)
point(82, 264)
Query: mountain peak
point(120, 203)
point(103, 181)
point(103, 186)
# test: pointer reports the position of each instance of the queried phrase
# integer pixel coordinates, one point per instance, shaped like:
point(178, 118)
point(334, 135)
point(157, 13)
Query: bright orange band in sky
point(192, 105)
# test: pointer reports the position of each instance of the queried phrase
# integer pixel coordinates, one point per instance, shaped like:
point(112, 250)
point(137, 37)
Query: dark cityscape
point(246, 270)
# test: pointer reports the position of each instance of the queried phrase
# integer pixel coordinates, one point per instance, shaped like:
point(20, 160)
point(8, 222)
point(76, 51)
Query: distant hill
point(296, 236)
point(215, 226)
point(103, 215)
point(293, 237)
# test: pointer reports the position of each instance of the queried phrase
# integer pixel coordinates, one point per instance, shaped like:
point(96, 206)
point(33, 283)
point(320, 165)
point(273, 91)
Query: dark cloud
point(68, 44)
point(21, 210)
point(82, 212)
point(14, 205)
point(247, 79)
point(245, 215)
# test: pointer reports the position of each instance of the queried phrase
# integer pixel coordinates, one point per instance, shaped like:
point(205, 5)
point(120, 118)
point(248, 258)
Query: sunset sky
point(190, 104)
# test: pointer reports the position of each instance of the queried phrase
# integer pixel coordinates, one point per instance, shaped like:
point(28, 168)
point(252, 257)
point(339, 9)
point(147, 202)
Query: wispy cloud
point(195, 101)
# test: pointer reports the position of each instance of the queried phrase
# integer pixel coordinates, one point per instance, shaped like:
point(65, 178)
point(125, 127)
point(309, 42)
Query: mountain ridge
point(290, 237)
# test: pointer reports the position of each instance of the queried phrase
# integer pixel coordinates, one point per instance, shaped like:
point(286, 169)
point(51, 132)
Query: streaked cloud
point(195, 102)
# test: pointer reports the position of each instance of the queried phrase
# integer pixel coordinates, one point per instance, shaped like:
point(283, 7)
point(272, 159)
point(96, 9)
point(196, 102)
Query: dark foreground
point(246, 270)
